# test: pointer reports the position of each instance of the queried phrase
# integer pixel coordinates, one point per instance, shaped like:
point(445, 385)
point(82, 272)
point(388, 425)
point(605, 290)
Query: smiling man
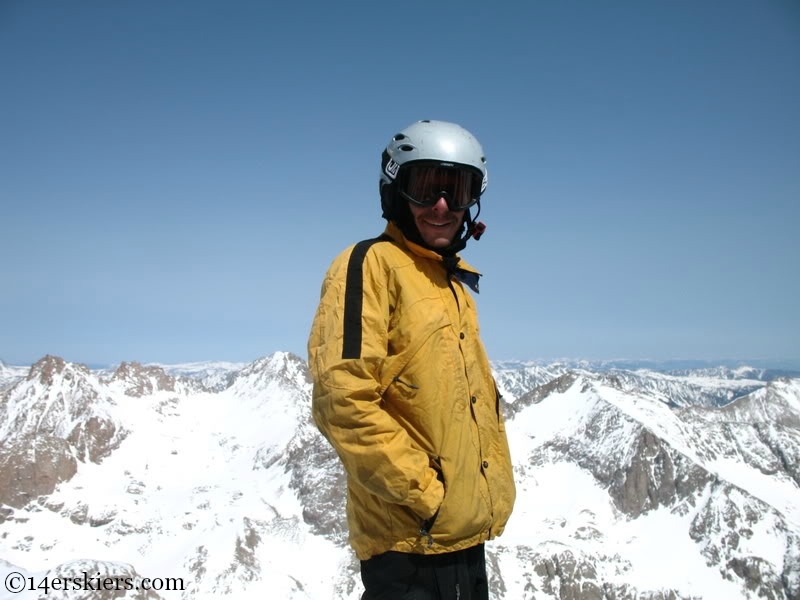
point(403, 389)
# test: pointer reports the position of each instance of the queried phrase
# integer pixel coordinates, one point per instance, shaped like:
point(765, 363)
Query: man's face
point(437, 224)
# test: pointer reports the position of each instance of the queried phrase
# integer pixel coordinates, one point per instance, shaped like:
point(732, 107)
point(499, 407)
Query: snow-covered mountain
point(210, 480)
point(10, 374)
point(630, 496)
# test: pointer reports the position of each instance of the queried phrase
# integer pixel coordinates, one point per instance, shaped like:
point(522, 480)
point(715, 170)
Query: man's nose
point(441, 203)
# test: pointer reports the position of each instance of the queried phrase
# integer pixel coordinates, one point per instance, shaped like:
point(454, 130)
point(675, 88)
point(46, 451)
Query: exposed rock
point(33, 468)
point(139, 380)
point(320, 480)
point(558, 385)
point(6, 513)
point(244, 554)
point(728, 518)
point(94, 439)
point(759, 576)
point(48, 367)
point(657, 475)
point(575, 577)
point(49, 422)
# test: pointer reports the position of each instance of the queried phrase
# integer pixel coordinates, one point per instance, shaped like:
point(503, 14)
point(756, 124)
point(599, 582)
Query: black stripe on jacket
point(354, 297)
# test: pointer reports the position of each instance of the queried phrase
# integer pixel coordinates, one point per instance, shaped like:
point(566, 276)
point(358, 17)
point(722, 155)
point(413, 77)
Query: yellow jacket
point(404, 392)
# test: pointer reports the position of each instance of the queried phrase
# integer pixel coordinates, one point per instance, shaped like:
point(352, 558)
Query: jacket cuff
point(432, 497)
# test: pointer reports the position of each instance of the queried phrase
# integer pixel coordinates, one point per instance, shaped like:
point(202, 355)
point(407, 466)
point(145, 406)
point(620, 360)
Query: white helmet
point(436, 141)
point(433, 143)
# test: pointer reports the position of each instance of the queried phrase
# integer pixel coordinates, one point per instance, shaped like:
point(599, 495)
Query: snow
point(185, 478)
point(201, 480)
point(552, 515)
point(781, 494)
point(10, 374)
point(658, 548)
point(560, 506)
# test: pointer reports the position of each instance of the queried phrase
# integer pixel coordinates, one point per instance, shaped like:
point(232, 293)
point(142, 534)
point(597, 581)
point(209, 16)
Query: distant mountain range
point(635, 481)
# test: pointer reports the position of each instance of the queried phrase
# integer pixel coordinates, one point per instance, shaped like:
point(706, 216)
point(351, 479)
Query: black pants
point(457, 575)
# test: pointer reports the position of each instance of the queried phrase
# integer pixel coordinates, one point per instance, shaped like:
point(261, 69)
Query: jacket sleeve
point(375, 450)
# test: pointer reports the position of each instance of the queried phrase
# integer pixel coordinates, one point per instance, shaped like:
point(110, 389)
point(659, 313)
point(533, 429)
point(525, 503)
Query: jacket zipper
point(425, 531)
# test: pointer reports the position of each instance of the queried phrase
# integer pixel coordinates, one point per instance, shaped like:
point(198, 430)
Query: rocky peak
point(515, 379)
point(54, 394)
point(283, 369)
point(279, 364)
point(778, 403)
point(139, 380)
point(558, 385)
point(49, 368)
point(57, 416)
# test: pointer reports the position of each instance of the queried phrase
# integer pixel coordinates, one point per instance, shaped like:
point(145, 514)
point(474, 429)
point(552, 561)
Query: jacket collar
point(460, 269)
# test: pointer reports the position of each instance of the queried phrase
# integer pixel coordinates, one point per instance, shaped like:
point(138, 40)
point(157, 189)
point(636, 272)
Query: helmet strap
point(472, 229)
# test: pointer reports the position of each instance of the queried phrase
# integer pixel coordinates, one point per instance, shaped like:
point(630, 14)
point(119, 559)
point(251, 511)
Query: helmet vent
point(406, 147)
point(398, 137)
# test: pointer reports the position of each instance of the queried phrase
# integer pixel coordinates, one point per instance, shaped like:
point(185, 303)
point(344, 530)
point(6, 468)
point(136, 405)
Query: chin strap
point(474, 229)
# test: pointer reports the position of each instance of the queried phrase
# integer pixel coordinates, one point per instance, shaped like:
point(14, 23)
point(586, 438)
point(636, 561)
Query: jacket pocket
point(501, 423)
point(398, 381)
point(426, 528)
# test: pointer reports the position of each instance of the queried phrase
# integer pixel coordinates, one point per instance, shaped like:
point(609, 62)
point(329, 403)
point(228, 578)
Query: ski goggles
point(424, 185)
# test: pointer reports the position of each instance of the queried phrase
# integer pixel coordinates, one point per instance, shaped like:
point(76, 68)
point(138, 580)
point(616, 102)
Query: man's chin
point(437, 239)
point(439, 242)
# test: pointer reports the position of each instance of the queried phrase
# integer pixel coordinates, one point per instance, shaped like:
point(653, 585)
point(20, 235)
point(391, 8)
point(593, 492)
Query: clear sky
point(175, 177)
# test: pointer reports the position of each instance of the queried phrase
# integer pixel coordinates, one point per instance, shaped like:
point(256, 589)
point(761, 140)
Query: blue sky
point(175, 177)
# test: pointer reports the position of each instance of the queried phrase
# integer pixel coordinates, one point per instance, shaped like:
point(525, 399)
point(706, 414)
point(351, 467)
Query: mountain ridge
point(221, 476)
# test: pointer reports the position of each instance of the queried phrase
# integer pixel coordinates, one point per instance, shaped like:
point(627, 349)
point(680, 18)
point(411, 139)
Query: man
point(403, 389)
